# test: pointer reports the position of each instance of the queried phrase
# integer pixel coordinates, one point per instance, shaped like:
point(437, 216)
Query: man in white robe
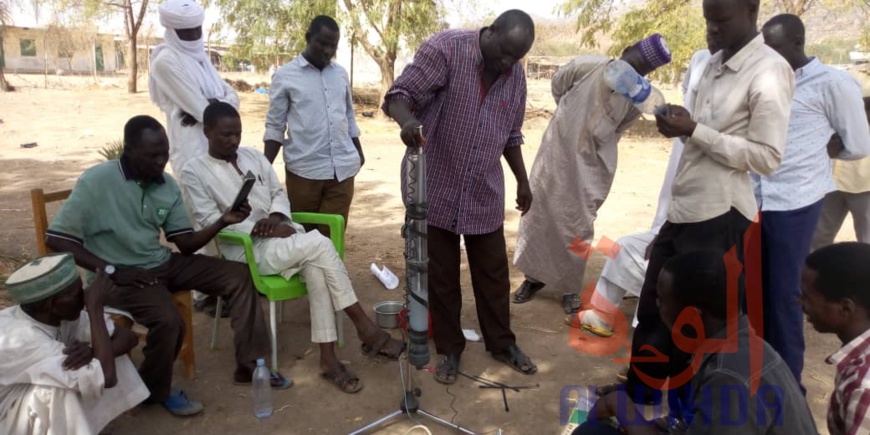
point(574, 169)
point(62, 370)
point(625, 273)
point(280, 245)
point(183, 81)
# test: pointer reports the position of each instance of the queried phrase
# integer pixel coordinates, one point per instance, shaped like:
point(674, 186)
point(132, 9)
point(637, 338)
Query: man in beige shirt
point(738, 124)
point(852, 196)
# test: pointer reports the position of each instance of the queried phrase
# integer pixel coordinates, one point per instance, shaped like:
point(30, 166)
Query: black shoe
point(526, 291)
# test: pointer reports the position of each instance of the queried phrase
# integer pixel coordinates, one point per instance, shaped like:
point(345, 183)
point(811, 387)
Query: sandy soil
point(73, 119)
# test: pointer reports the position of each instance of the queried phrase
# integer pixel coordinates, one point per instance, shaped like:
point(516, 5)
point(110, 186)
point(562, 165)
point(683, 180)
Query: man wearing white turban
point(183, 82)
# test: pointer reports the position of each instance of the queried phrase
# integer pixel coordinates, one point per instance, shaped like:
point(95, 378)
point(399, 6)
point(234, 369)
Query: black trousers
point(720, 233)
point(490, 280)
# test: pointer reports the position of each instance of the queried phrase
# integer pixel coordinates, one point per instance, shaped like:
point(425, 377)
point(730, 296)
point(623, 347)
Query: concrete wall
point(81, 61)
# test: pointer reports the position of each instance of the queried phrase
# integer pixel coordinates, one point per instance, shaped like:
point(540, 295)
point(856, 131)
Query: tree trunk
point(4, 86)
point(387, 65)
point(132, 74)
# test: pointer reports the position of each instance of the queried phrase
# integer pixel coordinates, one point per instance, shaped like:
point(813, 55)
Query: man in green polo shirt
point(112, 222)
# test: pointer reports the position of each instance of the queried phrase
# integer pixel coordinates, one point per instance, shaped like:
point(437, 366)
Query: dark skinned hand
point(835, 146)
point(412, 134)
point(78, 355)
point(232, 217)
point(677, 122)
point(266, 227)
point(188, 120)
point(524, 197)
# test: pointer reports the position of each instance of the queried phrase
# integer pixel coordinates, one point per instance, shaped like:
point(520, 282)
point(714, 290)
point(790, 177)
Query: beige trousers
point(314, 257)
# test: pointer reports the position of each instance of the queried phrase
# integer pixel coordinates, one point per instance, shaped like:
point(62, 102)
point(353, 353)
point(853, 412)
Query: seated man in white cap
point(62, 370)
point(182, 83)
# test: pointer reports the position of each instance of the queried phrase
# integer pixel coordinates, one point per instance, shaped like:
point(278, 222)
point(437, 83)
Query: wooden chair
point(182, 299)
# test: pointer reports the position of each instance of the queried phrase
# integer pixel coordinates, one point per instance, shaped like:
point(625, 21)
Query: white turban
point(181, 14)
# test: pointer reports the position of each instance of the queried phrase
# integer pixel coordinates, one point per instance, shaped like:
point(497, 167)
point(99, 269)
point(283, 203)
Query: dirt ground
point(73, 119)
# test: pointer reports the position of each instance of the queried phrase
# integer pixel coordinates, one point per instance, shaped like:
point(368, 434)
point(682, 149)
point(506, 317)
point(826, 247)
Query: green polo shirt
point(119, 219)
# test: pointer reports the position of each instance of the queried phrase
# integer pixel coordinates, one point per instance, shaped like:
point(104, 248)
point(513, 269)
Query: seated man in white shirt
point(62, 370)
point(280, 246)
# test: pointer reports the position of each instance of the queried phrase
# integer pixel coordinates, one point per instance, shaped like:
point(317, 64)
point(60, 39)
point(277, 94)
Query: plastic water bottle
point(624, 80)
point(262, 390)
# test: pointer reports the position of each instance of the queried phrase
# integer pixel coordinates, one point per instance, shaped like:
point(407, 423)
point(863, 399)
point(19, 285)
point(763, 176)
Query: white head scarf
point(185, 14)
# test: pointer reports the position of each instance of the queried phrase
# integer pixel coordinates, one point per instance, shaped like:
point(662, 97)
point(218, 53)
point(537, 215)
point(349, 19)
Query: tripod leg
point(383, 421)
point(444, 422)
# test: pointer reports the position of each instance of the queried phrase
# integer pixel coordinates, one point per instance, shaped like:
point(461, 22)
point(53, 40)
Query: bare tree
point(5, 19)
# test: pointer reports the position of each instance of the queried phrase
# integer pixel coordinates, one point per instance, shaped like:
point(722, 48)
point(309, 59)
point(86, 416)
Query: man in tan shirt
point(738, 124)
point(852, 196)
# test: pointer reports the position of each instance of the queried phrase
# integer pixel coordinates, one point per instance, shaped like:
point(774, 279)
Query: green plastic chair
point(275, 287)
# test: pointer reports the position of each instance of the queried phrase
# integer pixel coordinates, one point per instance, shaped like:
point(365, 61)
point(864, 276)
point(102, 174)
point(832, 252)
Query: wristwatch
point(109, 270)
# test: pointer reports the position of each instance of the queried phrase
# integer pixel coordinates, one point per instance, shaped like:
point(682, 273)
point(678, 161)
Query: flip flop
point(394, 350)
point(447, 369)
point(343, 379)
point(527, 291)
point(571, 321)
point(276, 380)
point(514, 358)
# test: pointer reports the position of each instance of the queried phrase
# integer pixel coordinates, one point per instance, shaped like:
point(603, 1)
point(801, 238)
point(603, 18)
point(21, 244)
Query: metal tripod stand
point(416, 294)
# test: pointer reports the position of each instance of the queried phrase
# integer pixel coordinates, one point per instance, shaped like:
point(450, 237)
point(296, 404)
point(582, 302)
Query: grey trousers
point(837, 205)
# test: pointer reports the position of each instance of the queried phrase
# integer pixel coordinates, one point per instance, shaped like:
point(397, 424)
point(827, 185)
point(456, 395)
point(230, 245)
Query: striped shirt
point(467, 129)
point(847, 413)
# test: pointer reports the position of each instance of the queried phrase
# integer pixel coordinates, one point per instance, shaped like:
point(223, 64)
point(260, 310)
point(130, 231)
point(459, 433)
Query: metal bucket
point(387, 314)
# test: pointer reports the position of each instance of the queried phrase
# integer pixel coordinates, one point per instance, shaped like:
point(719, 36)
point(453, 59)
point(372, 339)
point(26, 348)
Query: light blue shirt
point(826, 101)
point(317, 108)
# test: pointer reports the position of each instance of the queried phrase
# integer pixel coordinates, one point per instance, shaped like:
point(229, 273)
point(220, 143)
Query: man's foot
point(571, 303)
point(345, 381)
point(447, 368)
point(180, 405)
point(277, 381)
point(526, 291)
point(591, 322)
point(384, 345)
point(516, 359)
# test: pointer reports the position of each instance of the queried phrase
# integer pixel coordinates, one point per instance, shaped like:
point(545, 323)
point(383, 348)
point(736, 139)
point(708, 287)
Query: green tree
point(382, 27)
point(266, 30)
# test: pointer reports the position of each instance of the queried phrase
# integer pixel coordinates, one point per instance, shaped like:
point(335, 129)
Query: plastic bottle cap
point(261, 362)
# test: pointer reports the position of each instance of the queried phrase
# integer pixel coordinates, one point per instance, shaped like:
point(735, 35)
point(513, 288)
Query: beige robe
point(572, 173)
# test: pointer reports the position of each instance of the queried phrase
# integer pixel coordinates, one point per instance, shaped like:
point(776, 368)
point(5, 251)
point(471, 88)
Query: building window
point(28, 47)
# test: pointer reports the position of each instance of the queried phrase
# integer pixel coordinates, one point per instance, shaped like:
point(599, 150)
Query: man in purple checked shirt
point(465, 92)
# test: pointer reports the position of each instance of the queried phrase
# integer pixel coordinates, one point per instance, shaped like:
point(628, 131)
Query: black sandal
point(526, 291)
point(346, 381)
point(571, 303)
point(516, 359)
point(447, 369)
